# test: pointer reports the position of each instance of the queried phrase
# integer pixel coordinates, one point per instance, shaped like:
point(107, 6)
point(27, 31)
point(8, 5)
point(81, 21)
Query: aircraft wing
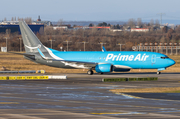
point(78, 64)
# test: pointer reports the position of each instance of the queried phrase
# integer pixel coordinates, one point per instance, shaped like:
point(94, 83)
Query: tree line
point(94, 37)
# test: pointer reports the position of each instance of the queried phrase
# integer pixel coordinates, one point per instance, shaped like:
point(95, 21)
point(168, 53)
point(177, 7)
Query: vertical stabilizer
point(31, 42)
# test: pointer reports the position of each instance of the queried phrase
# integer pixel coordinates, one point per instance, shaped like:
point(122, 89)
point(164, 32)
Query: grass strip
point(130, 79)
point(148, 90)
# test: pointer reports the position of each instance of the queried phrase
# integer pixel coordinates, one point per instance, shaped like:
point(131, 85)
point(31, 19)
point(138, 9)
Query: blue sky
point(90, 10)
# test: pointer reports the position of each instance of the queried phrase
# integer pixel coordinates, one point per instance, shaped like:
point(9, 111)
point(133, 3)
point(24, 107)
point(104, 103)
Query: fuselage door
point(153, 59)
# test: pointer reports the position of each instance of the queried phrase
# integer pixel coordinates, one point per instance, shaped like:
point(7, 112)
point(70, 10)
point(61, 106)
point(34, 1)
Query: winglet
point(103, 49)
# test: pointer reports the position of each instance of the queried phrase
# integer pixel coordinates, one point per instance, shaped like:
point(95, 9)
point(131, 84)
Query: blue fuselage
point(131, 59)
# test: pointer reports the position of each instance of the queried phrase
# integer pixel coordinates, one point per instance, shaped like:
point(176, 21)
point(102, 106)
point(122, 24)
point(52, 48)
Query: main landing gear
point(90, 72)
point(158, 73)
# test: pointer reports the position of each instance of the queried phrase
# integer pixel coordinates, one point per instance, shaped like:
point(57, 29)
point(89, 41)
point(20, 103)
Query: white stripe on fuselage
point(53, 55)
point(66, 63)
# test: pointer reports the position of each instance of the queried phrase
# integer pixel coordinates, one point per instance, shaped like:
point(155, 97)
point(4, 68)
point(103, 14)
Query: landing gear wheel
point(158, 73)
point(90, 72)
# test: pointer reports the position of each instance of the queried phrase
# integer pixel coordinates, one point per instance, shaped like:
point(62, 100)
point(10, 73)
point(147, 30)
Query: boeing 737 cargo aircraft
point(101, 62)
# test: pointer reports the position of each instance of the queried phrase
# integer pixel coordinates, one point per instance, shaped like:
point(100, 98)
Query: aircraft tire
point(90, 72)
point(158, 73)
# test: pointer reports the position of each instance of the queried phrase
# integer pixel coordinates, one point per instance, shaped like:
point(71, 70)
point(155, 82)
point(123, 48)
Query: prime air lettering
point(120, 57)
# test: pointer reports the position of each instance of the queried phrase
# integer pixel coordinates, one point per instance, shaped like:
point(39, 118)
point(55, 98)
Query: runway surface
point(84, 96)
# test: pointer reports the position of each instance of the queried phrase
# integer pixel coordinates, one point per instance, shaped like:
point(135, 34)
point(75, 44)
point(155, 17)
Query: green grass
point(148, 90)
point(178, 91)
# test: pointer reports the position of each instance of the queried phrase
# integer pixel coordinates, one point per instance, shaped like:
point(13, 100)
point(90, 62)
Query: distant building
point(15, 28)
point(39, 19)
point(101, 27)
point(3, 49)
point(127, 28)
point(78, 27)
point(65, 27)
point(162, 26)
point(9, 23)
point(169, 26)
point(116, 30)
point(139, 29)
point(46, 23)
point(38, 22)
point(172, 26)
point(87, 27)
point(60, 27)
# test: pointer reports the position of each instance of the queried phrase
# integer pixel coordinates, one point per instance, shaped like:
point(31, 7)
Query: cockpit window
point(164, 57)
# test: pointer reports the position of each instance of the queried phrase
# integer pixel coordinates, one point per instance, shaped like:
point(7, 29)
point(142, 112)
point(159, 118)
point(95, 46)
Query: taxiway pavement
point(84, 96)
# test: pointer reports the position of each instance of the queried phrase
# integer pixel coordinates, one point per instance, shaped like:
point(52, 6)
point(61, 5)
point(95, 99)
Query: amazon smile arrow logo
point(32, 48)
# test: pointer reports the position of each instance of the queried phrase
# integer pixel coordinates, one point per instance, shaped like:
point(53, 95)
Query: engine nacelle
point(104, 68)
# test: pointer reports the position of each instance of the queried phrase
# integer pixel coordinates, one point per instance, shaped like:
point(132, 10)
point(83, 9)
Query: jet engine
point(100, 68)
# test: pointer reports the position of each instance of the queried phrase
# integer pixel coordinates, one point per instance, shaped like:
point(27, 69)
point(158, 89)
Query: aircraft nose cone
point(171, 62)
